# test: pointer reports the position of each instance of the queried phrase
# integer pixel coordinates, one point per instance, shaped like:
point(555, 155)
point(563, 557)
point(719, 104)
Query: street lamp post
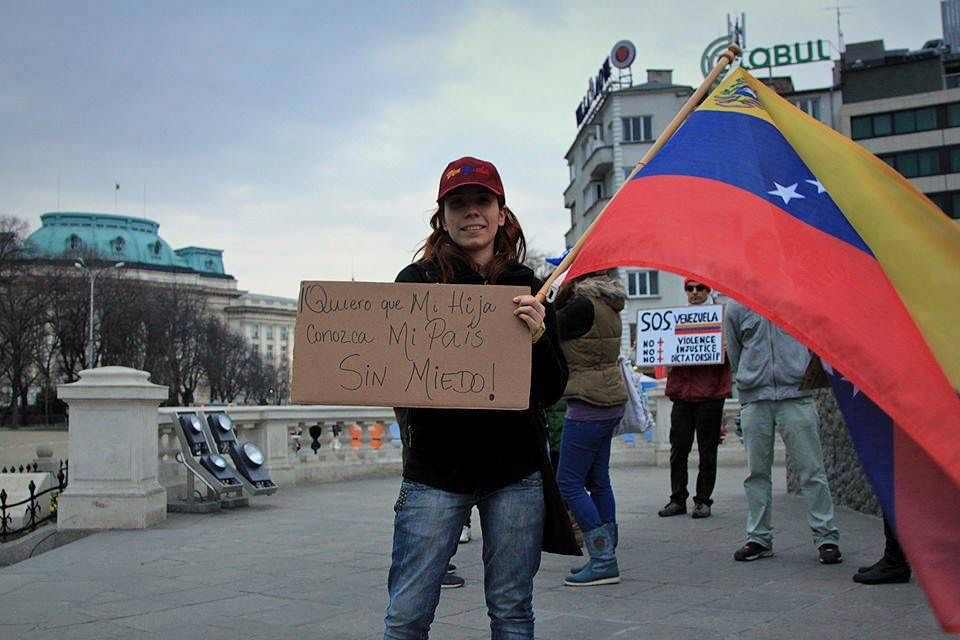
point(93, 275)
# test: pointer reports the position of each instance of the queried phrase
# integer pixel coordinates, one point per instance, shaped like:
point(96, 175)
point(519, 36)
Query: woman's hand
point(531, 311)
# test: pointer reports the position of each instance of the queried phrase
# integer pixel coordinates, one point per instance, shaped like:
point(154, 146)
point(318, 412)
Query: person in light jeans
point(769, 365)
point(457, 458)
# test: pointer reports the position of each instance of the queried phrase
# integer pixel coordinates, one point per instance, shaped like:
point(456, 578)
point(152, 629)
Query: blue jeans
point(426, 531)
point(585, 466)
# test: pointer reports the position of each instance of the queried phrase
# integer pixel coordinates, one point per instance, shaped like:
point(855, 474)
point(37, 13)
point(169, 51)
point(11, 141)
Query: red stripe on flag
point(826, 293)
point(927, 525)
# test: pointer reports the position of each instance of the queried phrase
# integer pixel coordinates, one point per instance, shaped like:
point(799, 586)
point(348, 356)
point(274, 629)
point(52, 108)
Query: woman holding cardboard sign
point(457, 458)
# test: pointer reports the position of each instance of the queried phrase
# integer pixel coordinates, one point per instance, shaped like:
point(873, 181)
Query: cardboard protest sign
point(680, 336)
point(410, 345)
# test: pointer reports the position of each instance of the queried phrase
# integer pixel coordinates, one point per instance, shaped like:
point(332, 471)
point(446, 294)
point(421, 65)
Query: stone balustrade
point(356, 441)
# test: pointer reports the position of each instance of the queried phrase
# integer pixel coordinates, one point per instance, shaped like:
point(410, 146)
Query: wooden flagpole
point(726, 59)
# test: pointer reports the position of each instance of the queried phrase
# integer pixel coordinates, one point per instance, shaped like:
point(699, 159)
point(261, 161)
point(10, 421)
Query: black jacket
point(471, 450)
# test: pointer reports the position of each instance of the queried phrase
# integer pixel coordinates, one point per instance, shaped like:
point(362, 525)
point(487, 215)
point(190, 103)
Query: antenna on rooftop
point(840, 10)
point(737, 29)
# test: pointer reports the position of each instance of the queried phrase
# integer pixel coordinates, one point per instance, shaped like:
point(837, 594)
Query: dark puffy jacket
point(468, 450)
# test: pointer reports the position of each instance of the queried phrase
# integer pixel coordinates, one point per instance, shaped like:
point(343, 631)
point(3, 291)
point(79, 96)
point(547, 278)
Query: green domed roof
point(117, 237)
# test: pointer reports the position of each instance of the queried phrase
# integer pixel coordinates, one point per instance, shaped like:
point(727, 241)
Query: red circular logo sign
point(623, 54)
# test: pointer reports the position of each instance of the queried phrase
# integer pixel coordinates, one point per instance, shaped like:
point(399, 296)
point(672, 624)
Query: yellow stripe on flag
point(917, 245)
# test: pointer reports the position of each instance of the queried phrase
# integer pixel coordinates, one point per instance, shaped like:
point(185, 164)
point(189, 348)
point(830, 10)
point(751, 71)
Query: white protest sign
point(680, 336)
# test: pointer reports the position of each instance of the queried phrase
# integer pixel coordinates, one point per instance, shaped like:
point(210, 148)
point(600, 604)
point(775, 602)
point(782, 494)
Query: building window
point(926, 119)
point(928, 163)
point(270, 351)
point(592, 193)
point(810, 106)
point(75, 242)
point(953, 114)
point(639, 129)
point(255, 331)
point(572, 167)
point(955, 160)
point(118, 244)
point(882, 124)
point(948, 201)
point(905, 121)
point(860, 128)
point(269, 332)
point(643, 284)
point(907, 165)
point(592, 141)
point(924, 162)
point(284, 333)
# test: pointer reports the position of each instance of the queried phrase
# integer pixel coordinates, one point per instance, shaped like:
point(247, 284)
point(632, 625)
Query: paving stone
point(312, 562)
point(14, 631)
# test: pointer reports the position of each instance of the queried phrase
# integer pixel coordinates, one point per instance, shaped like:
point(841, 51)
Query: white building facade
point(619, 129)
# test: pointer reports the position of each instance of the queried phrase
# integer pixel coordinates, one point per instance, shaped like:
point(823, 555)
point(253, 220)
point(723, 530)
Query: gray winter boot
point(614, 533)
point(602, 567)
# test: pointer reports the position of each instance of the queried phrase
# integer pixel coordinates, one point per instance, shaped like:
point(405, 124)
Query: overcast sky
point(302, 136)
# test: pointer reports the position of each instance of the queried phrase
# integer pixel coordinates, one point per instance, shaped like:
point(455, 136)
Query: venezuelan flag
point(770, 206)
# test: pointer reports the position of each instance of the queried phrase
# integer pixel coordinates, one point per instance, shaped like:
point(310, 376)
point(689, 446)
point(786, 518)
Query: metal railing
point(33, 506)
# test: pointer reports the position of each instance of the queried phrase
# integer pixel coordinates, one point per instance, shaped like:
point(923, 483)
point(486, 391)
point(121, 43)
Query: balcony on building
point(599, 161)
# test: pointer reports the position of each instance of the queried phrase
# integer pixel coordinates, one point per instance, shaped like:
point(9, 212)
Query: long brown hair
point(508, 245)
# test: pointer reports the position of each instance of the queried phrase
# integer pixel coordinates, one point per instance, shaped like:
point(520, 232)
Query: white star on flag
point(831, 371)
point(817, 184)
point(787, 193)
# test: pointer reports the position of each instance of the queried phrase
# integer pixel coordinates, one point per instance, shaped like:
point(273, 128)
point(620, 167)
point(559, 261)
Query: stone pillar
point(661, 406)
point(113, 451)
point(276, 449)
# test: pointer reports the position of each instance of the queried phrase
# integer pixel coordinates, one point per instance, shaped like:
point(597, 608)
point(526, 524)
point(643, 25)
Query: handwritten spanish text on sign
point(410, 345)
point(680, 336)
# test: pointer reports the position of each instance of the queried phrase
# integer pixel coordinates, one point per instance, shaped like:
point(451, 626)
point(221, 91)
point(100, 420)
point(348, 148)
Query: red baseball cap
point(469, 170)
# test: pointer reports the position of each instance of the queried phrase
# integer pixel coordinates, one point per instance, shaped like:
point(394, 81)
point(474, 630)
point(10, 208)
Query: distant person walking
point(456, 459)
point(698, 393)
point(589, 317)
point(769, 366)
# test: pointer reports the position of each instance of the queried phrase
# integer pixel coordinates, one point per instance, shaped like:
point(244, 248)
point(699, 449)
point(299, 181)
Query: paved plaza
point(311, 562)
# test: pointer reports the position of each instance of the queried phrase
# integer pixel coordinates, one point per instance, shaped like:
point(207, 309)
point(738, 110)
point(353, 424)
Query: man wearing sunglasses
point(697, 393)
point(769, 366)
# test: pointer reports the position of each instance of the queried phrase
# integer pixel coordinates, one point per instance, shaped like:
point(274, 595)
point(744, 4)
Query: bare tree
point(22, 334)
point(260, 380)
point(124, 318)
point(176, 338)
point(67, 315)
point(537, 260)
point(225, 359)
point(13, 232)
point(21, 318)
